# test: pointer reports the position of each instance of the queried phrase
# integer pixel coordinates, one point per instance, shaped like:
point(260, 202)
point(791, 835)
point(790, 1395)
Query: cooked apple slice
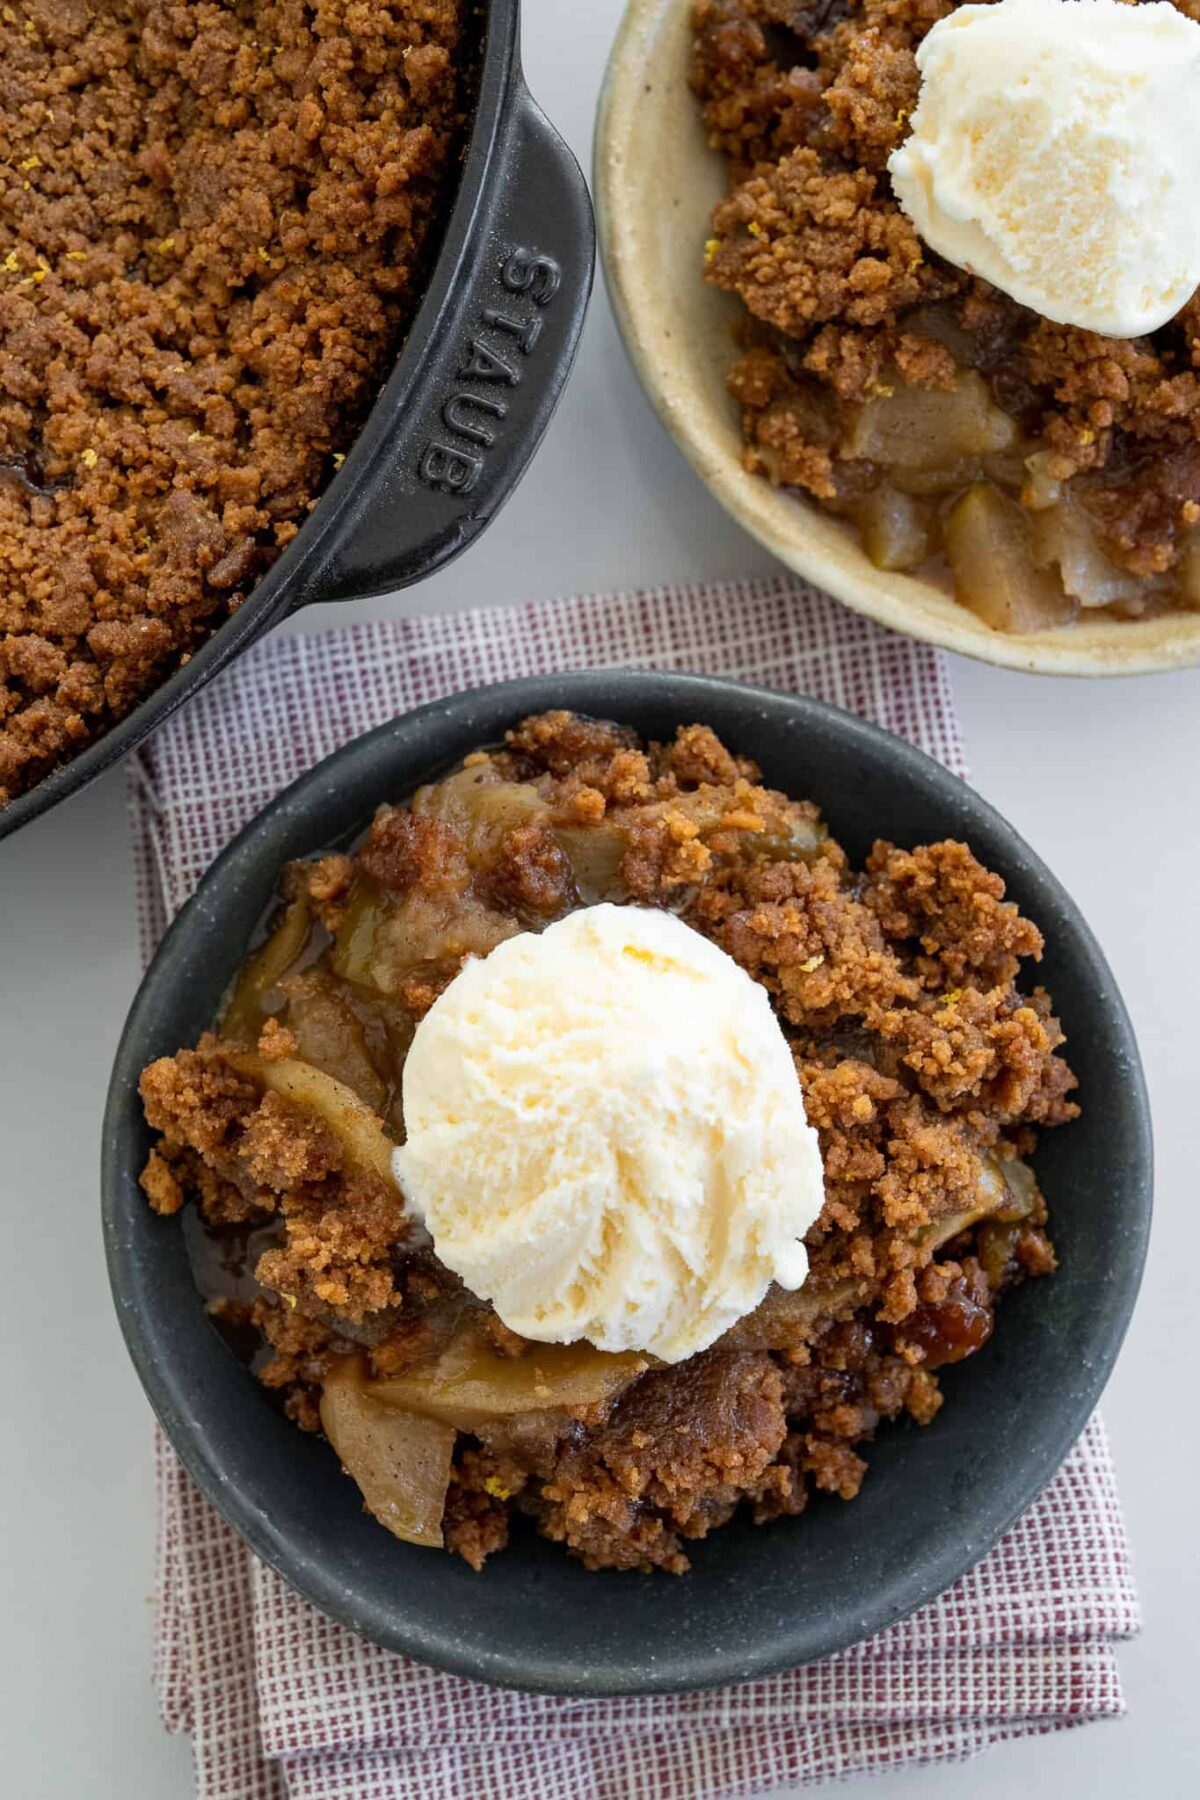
point(989, 549)
point(930, 428)
point(383, 939)
point(479, 805)
point(469, 1385)
point(353, 951)
point(331, 1037)
point(785, 1316)
point(893, 529)
point(797, 839)
point(246, 1013)
point(1063, 537)
point(359, 1130)
point(401, 1462)
point(1043, 483)
point(1008, 1192)
point(594, 853)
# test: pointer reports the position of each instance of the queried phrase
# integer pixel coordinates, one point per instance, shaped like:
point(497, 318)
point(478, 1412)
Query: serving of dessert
point(215, 221)
point(966, 241)
point(594, 1143)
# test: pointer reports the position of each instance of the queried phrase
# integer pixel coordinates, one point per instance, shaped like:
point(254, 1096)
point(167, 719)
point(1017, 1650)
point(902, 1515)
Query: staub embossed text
point(492, 364)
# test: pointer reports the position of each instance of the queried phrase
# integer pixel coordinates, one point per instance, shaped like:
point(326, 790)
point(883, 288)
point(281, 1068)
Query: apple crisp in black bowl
point(754, 1599)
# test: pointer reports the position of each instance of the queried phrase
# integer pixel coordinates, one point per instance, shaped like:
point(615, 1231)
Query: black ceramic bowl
point(463, 411)
point(757, 1599)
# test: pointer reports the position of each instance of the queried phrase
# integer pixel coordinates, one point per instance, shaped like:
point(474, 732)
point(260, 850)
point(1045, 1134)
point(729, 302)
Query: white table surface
point(1101, 778)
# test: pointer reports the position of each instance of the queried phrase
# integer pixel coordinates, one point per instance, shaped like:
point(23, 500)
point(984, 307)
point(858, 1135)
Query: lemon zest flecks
point(89, 459)
point(813, 962)
point(496, 1488)
point(755, 229)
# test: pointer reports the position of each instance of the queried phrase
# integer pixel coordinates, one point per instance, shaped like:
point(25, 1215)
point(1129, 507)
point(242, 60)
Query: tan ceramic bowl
point(656, 183)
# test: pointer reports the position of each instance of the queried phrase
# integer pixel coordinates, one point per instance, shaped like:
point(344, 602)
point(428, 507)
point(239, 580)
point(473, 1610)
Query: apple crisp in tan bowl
point(657, 181)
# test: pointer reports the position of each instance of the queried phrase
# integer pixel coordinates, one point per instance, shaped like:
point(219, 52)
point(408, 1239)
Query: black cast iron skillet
point(463, 411)
point(757, 1599)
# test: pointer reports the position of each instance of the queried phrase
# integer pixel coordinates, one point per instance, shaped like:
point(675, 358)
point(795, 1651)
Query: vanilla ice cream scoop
point(1055, 150)
point(607, 1137)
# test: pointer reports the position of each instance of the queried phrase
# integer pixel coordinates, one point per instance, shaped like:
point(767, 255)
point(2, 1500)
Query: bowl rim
point(380, 1617)
point(778, 518)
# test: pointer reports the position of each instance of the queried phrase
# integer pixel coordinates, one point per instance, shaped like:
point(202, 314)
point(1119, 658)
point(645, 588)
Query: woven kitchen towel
point(280, 1703)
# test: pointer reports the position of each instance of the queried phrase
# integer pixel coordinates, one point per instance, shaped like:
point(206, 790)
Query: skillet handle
point(497, 360)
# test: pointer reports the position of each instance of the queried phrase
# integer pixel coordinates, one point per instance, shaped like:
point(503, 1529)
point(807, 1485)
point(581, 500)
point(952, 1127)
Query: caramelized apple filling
point(925, 1069)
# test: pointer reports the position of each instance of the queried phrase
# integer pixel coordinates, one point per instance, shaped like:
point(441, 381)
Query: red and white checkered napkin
point(281, 1704)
